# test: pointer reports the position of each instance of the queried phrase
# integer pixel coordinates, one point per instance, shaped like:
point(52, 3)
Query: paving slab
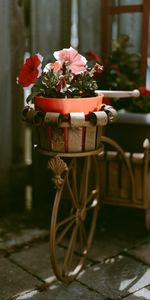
point(112, 273)
point(58, 291)
point(21, 228)
point(13, 279)
point(107, 245)
point(25, 236)
point(142, 294)
point(36, 260)
point(142, 252)
point(116, 277)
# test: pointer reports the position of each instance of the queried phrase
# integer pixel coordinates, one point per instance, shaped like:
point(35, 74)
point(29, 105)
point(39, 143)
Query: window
point(123, 17)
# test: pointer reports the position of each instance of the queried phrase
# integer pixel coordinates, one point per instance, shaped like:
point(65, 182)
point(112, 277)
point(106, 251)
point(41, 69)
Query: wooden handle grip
point(118, 94)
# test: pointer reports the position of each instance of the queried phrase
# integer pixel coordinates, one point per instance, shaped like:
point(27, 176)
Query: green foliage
point(122, 72)
point(80, 85)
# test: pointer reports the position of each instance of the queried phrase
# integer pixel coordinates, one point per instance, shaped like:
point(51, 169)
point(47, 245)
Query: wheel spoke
point(64, 232)
point(83, 239)
point(92, 205)
point(92, 200)
point(73, 188)
point(74, 183)
point(84, 181)
point(92, 194)
point(70, 250)
point(69, 219)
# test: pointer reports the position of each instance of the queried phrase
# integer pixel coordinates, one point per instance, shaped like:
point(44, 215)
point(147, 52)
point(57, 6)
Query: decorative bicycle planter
point(76, 138)
point(75, 146)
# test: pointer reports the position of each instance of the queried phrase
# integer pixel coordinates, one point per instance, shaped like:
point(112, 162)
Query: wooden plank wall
point(5, 85)
point(50, 25)
point(11, 100)
point(89, 25)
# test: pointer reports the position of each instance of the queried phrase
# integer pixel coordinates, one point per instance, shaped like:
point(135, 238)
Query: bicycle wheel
point(74, 217)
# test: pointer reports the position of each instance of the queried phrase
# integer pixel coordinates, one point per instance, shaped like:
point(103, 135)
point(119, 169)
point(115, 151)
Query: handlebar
point(118, 94)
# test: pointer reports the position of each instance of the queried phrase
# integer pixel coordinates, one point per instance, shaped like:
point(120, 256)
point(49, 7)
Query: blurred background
point(31, 26)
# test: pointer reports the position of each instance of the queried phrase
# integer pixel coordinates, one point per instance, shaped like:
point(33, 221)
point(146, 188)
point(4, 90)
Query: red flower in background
point(30, 71)
point(115, 67)
point(91, 55)
point(144, 91)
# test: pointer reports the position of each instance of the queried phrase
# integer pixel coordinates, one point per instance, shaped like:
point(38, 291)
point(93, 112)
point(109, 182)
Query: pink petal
point(72, 58)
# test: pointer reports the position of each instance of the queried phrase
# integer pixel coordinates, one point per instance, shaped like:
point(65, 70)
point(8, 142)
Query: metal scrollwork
point(58, 167)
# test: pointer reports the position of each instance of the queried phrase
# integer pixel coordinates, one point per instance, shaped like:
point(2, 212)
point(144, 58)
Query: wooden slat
point(45, 25)
point(138, 169)
point(138, 158)
point(11, 103)
point(117, 185)
point(99, 118)
point(126, 9)
point(90, 138)
point(52, 118)
point(5, 120)
point(75, 139)
point(57, 140)
point(17, 58)
point(50, 26)
point(65, 21)
point(113, 174)
point(99, 134)
point(77, 119)
point(105, 32)
point(138, 175)
point(88, 24)
point(103, 174)
point(42, 132)
point(125, 191)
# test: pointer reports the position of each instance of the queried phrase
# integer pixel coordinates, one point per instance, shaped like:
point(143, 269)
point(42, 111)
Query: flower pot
point(67, 105)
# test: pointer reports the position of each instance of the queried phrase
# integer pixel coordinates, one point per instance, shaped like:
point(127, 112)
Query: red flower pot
point(67, 105)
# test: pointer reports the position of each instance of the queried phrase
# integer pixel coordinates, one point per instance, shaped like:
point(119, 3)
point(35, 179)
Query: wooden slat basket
point(75, 132)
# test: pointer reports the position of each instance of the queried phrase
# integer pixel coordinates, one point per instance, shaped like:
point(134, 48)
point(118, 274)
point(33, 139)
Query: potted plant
point(66, 85)
point(122, 72)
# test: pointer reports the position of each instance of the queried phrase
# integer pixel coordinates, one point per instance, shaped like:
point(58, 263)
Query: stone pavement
point(118, 264)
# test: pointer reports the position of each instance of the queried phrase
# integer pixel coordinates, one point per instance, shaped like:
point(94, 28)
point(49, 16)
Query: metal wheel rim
point(67, 276)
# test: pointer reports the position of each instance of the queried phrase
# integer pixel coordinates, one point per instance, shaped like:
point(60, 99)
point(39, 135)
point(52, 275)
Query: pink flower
point(75, 61)
point(30, 71)
point(56, 67)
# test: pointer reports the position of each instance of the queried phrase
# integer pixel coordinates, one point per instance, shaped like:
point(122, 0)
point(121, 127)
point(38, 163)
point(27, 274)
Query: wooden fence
point(11, 99)
point(37, 26)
